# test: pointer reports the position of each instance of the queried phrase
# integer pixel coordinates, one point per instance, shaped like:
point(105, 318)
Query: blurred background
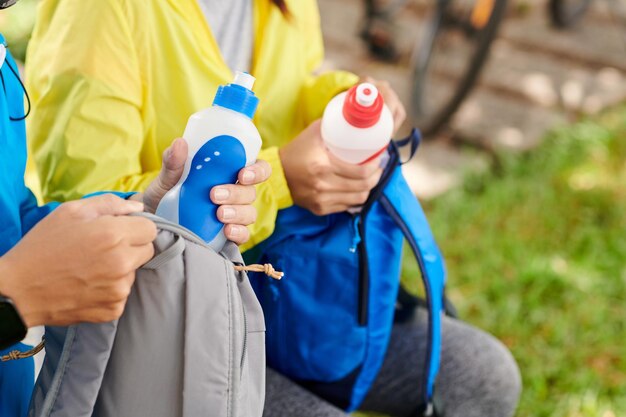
point(523, 173)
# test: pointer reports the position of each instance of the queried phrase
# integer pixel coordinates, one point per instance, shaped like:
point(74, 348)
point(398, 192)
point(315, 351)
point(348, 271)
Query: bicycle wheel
point(564, 13)
point(449, 58)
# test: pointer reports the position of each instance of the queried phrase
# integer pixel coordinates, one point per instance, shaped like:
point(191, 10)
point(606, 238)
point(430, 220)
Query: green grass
point(537, 256)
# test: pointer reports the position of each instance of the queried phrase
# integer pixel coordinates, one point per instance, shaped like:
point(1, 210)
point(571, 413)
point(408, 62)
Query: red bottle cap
point(363, 106)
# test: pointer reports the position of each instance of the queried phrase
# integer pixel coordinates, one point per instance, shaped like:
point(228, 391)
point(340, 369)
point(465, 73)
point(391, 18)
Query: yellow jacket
point(113, 82)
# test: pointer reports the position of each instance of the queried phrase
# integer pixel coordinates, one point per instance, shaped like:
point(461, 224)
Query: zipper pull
point(356, 238)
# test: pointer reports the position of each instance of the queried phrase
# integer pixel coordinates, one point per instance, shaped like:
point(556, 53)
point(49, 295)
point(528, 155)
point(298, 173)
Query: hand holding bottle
point(235, 200)
point(320, 182)
point(78, 264)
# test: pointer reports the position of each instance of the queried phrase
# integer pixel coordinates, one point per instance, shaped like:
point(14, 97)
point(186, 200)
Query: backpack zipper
point(356, 238)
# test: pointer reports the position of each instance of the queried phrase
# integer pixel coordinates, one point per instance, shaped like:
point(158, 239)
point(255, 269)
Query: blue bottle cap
point(238, 95)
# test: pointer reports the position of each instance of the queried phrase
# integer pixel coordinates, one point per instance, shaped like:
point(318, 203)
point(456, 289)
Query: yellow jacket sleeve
point(86, 129)
point(318, 91)
point(272, 196)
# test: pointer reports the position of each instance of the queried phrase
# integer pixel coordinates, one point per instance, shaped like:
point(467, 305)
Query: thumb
point(108, 205)
point(173, 164)
point(174, 159)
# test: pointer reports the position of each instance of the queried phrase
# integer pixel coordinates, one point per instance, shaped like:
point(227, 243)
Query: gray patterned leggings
point(478, 377)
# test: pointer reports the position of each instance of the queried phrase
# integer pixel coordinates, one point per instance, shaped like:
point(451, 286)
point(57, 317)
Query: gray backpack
point(190, 343)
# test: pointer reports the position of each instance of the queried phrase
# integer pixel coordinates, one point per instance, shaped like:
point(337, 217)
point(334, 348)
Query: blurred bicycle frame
point(453, 47)
point(448, 57)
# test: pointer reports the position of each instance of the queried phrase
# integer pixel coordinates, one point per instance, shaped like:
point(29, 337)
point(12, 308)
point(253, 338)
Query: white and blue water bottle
point(222, 140)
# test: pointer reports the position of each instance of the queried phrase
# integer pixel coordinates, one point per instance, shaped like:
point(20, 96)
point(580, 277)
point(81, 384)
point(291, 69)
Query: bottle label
point(217, 162)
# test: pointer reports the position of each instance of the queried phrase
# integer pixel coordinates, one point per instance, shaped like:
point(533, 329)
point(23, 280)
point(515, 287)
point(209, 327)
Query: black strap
point(414, 139)
point(16, 75)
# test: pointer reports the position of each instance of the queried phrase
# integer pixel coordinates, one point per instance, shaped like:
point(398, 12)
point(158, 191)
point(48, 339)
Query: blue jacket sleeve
point(31, 213)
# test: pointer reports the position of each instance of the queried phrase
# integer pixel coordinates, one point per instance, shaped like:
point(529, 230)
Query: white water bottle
point(222, 140)
point(357, 125)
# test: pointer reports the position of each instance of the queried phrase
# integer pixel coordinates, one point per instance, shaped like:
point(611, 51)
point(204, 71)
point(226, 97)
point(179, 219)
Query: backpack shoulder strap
point(402, 206)
point(413, 141)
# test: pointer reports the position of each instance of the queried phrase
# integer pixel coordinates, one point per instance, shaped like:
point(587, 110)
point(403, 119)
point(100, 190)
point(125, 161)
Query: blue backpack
point(329, 320)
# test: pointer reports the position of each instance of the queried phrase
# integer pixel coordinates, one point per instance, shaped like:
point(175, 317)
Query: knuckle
point(109, 235)
point(71, 208)
point(115, 311)
point(127, 265)
point(150, 229)
point(319, 169)
point(109, 198)
point(318, 208)
point(317, 185)
point(121, 291)
point(314, 169)
point(121, 265)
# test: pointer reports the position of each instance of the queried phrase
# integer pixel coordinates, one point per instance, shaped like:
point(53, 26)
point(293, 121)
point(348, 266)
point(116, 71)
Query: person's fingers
point(395, 106)
point(333, 202)
point(354, 171)
point(337, 184)
point(100, 314)
point(233, 194)
point(237, 233)
point(315, 128)
point(108, 290)
point(399, 115)
point(244, 215)
point(330, 208)
point(349, 199)
point(392, 100)
point(173, 166)
point(256, 173)
point(141, 255)
point(137, 231)
point(104, 205)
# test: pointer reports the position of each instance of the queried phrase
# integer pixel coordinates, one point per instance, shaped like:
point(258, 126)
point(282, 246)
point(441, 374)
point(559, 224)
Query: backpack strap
point(405, 210)
point(413, 140)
